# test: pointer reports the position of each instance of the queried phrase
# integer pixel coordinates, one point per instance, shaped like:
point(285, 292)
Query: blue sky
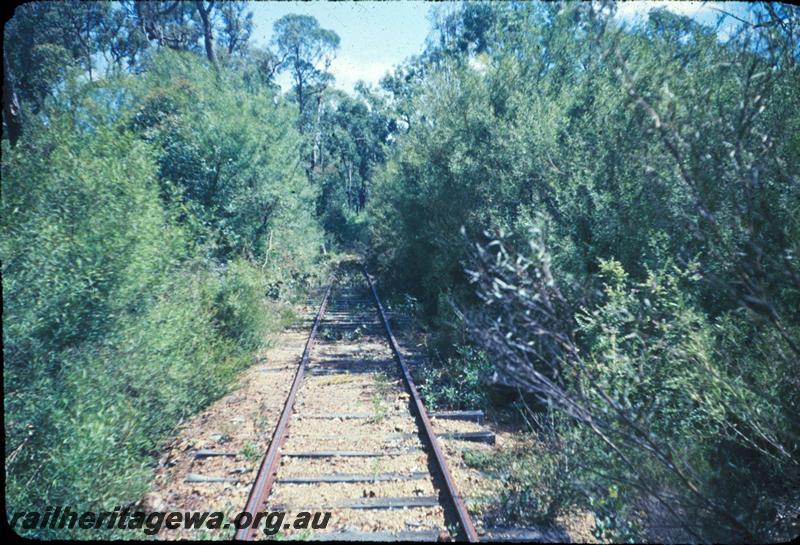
point(376, 36)
point(704, 12)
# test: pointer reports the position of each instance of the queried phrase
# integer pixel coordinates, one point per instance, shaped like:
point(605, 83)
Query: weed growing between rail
point(380, 397)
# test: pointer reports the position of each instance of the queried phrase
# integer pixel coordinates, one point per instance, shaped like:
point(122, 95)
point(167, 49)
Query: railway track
point(354, 438)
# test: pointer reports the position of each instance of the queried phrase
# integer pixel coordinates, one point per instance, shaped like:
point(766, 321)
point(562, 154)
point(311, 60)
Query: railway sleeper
point(475, 416)
point(207, 453)
point(352, 416)
point(355, 478)
point(209, 479)
point(402, 502)
point(473, 436)
point(353, 454)
point(384, 537)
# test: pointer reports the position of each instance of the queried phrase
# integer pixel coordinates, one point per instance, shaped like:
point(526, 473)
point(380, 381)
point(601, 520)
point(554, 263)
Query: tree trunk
point(350, 186)
point(315, 150)
point(208, 35)
point(12, 114)
point(301, 98)
point(362, 196)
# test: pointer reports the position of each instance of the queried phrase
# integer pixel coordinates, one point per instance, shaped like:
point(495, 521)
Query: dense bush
point(133, 294)
point(229, 154)
point(646, 182)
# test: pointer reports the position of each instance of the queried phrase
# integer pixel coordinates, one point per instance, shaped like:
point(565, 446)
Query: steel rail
point(259, 494)
point(454, 498)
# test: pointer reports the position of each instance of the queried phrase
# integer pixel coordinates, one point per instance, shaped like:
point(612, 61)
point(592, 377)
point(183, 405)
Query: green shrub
point(662, 312)
point(667, 403)
point(459, 382)
point(228, 156)
point(239, 303)
point(114, 328)
point(541, 479)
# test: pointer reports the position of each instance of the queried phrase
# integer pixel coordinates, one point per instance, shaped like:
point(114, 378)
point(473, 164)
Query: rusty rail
point(453, 496)
point(269, 465)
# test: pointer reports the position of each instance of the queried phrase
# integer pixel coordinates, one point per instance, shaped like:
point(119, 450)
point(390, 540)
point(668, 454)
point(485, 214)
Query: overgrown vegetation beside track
point(154, 227)
point(634, 195)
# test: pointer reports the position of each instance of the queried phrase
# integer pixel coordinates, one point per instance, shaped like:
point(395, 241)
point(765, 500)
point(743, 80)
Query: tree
point(305, 50)
point(355, 134)
point(122, 42)
point(463, 29)
point(237, 26)
point(45, 40)
point(173, 24)
point(229, 154)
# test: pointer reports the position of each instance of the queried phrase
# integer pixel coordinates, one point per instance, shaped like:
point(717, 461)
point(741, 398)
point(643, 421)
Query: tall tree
point(237, 26)
point(305, 50)
point(120, 38)
point(44, 40)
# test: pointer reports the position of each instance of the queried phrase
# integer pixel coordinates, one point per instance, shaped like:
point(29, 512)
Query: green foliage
point(459, 382)
point(354, 140)
point(46, 40)
point(650, 326)
point(84, 227)
point(670, 406)
point(345, 226)
point(133, 294)
point(240, 311)
point(305, 50)
point(252, 452)
point(706, 395)
point(664, 296)
point(613, 523)
point(231, 154)
point(105, 346)
point(539, 476)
